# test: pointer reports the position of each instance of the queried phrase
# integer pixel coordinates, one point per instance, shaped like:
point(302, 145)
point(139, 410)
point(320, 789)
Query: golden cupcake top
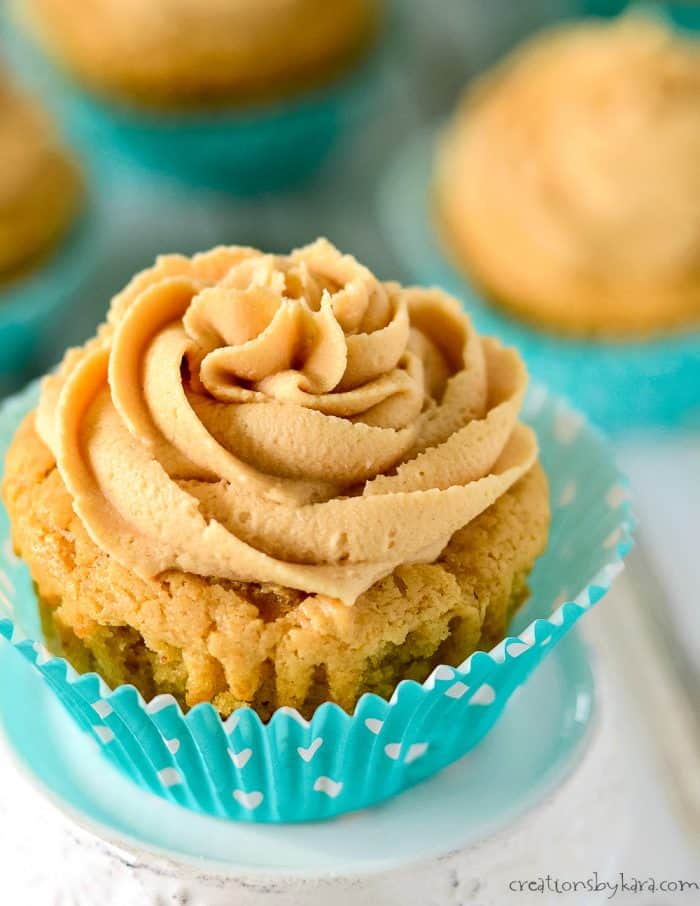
point(283, 419)
point(39, 183)
point(568, 182)
point(185, 52)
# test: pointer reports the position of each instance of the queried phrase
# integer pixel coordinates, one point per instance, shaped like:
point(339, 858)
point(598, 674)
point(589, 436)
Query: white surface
point(610, 816)
point(664, 471)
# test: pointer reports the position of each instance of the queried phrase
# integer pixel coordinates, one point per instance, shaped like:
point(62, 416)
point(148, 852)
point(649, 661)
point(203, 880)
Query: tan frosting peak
point(570, 177)
point(287, 420)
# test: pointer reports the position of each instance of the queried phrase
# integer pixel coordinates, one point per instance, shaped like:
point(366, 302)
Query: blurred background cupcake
point(40, 185)
point(42, 206)
point(244, 95)
point(193, 53)
point(561, 197)
point(552, 196)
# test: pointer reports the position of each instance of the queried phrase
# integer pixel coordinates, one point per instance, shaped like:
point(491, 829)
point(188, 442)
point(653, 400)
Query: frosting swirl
point(569, 178)
point(287, 420)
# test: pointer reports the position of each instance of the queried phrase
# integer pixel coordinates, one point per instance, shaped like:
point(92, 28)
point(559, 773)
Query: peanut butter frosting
point(180, 52)
point(283, 419)
point(39, 183)
point(568, 183)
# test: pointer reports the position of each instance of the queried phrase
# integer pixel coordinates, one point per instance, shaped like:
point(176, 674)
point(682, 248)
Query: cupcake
point(47, 238)
point(566, 185)
point(202, 52)
point(245, 96)
point(40, 186)
point(276, 481)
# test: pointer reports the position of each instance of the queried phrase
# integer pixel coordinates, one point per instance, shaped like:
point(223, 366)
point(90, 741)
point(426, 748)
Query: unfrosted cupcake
point(248, 96)
point(40, 185)
point(567, 184)
point(277, 481)
point(202, 52)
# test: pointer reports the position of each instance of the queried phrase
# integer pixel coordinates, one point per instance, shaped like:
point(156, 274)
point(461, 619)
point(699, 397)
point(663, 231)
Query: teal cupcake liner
point(243, 150)
point(32, 304)
point(685, 14)
point(291, 769)
point(619, 385)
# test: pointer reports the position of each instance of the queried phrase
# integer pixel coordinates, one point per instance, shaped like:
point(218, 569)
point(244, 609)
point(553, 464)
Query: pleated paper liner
point(619, 385)
point(296, 770)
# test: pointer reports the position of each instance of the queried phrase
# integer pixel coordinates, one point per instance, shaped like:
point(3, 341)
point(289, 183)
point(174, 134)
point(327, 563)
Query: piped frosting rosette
point(283, 419)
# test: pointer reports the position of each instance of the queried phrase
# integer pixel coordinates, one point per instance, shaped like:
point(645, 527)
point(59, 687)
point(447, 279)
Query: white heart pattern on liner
point(616, 496)
point(484, 695)
point(173, 745)
point(104, 709)
point(537, 397)
point(248, 800)
point(308, 754)
point(374, 725)
point(328, 786)
point(231, 723)
point(415, 751)
point(169, 777)
point(457, 690)
point(393, 750)
point(567, 426)
point(240, 759)
point(104, 734)
point(568, 495)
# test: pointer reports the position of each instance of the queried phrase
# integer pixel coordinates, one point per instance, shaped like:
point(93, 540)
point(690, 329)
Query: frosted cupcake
point(567, 183)
point(277, 481)
point(202, 52)
point(40, 186)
